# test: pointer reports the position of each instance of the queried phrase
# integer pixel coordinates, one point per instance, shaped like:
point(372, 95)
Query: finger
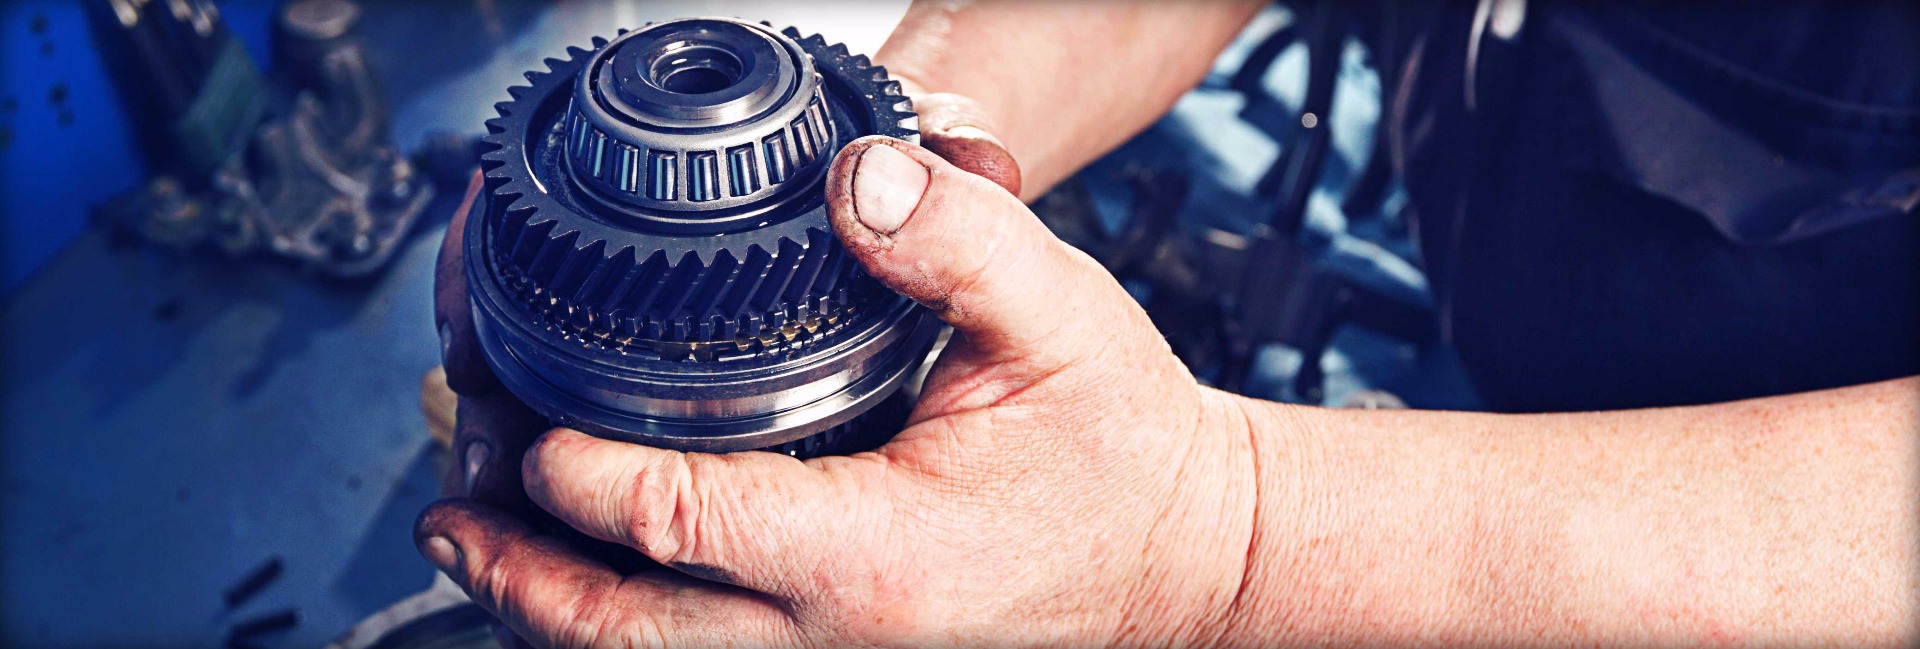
point(467, 371)
point(957, 128)
point(756, 520)
point(973, 253)
point(550, 594)
point(490, 434)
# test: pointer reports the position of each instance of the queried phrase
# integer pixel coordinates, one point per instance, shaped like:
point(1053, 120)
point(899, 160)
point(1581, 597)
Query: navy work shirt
point(1658, 203)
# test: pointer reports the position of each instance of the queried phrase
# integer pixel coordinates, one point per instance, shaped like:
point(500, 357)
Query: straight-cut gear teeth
point(609, 285)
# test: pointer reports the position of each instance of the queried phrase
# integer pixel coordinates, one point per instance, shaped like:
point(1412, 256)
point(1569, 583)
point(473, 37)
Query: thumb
point(962, 246)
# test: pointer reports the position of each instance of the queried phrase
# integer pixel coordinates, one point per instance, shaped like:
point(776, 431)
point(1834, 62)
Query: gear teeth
point(765, 299)
point(754, 299)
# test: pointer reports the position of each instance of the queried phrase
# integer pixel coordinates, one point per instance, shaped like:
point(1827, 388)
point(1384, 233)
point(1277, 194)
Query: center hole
point(695, 70)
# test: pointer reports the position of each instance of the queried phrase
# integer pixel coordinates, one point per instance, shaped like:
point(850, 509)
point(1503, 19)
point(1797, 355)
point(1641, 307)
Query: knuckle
point(494, 580)
point(657, 493)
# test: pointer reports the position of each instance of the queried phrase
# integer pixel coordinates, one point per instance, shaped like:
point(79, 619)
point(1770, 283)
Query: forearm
point(1106, 71)
point(1788, 520)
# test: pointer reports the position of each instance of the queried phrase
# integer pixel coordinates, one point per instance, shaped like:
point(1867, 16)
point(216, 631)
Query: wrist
point(1286, 447)
point(1366, 533)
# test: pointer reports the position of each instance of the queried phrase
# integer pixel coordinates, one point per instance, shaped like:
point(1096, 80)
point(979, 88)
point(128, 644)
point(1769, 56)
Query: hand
point(1063, 479)
point(493, 429)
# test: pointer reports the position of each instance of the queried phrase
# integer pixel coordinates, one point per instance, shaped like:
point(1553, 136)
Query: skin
point(1065, 481)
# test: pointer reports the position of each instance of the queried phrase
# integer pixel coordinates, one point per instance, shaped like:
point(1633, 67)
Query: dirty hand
point(1063, 479)
point(493, 429)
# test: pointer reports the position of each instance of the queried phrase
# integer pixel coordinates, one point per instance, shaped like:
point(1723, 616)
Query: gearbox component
point(651, 260)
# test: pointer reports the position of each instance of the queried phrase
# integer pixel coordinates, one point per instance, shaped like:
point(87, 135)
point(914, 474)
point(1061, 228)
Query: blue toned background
point(168, 423)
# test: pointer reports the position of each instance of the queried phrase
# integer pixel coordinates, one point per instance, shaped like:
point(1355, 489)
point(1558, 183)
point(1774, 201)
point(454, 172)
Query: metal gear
point(652, 259)
point(672, 288)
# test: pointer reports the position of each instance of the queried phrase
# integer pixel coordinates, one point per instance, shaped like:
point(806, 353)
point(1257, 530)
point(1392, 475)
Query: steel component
point(652, 261)
point(696, 116)
point(297, 166)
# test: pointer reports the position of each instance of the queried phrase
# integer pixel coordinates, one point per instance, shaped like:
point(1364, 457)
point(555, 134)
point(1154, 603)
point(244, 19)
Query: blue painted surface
point(181, 422)
point(67, 146)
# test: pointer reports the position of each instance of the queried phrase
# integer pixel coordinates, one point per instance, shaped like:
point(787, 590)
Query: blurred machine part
point(298, 165)
point(440, 617)
point(1220, 295)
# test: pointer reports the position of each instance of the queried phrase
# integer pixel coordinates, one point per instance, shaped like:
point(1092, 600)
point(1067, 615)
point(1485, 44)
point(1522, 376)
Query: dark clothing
point(1655, 205)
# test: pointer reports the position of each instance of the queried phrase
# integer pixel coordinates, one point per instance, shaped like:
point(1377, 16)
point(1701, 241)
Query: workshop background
point(212, 448)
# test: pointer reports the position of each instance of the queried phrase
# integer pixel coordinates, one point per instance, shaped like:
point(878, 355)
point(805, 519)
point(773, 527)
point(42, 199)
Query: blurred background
point(213, 430)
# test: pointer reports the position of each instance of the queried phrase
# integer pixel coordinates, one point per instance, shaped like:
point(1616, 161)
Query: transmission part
point(652, 262)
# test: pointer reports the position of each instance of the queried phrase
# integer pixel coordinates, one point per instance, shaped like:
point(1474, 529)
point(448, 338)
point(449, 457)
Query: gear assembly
point(651, 259)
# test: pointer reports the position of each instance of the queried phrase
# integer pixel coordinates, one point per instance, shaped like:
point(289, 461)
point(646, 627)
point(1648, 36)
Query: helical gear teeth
point(750, 300)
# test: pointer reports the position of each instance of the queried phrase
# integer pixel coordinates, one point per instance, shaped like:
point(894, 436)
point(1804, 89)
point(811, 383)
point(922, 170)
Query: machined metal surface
point(652, 260)
point(697, 116)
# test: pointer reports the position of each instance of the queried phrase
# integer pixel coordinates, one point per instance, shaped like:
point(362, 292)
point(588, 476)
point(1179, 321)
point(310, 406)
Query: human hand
point(1063, 479)
point(493, 428)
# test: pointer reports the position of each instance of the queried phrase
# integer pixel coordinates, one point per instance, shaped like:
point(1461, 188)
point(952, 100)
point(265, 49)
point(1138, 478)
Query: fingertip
point(437, 535)
point(887, 186)
point(444, 518)
point(551, 449)
point(871, 196)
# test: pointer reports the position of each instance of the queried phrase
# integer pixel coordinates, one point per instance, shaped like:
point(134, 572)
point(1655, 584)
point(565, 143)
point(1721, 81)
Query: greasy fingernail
point(886, 187)
point(476, 459)
point(442, 553)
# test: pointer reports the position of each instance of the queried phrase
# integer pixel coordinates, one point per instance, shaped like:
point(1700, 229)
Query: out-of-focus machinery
point(1220, 295)
point(296, 164)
